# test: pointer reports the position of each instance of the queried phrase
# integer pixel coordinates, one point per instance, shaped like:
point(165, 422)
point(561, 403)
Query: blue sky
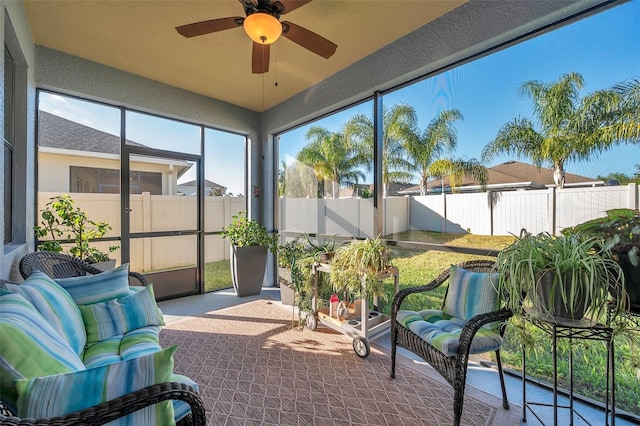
point(604, 48)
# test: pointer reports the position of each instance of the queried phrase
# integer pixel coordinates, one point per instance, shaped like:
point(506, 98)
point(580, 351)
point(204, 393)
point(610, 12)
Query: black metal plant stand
point(568, 329)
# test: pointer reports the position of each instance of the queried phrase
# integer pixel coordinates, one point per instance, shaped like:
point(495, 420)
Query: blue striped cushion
point(98, 288)
point(103, 353)
point(470, 293)
point(56, 306)
point(139, 342)
point(444, 335)
point(142, 341)
point(119, 316)
point(29, 346)
point(52, 395)
point(432, 315)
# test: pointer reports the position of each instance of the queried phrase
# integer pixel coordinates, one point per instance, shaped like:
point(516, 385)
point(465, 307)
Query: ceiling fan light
point(262, 28)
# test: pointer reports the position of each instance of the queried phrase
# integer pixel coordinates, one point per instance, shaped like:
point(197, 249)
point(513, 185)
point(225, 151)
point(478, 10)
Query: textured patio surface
point(254, 369)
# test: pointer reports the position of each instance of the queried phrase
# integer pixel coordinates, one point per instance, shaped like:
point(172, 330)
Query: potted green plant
point(288, 254)
point(295, 269)
point(323, 249)
point(564, 277)
point(357, 265)
point(619, 234)
point(249, 245)
point(62, 222)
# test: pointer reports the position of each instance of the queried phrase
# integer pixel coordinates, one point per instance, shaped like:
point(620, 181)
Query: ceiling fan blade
point(309, 40)
point(260, 58)
point(210, 26)
point(290, 5)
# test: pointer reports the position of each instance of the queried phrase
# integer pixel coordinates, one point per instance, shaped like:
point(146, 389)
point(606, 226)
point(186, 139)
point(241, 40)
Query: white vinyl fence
point(501, 213)
point(151, 213)
point(486, 213)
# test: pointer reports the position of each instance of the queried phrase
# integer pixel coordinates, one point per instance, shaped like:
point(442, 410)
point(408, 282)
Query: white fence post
point(632, 191)
point(443, 229)
point(551, 210)
point(146, 227)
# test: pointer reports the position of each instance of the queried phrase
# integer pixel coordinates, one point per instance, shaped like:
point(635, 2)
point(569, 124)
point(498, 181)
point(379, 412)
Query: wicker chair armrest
point(141, 278)
point(402, 294)
point(474, 324)
point(67, 266)
point(124, 405)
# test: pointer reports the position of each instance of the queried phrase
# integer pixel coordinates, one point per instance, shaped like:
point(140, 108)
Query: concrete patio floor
point(478, 375)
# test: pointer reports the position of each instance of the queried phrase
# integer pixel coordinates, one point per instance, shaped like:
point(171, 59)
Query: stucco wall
point(12, 253)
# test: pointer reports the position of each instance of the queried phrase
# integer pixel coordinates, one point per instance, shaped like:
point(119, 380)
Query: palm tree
point(296, 180)
point(427, 150)
point(457, 169)
point(333, 157)
point(397, 123)
point(569, 128)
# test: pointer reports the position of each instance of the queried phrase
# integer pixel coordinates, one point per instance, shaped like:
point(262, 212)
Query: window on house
point(107, 181)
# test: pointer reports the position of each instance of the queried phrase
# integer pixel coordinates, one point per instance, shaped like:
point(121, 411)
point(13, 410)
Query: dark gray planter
point(247, 269)
point(287, 294)
point(632, 282)
point(551, 301)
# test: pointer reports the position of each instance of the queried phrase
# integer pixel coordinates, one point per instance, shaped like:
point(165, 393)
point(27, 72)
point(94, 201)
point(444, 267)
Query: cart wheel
point(311, 321)
point(361, 347)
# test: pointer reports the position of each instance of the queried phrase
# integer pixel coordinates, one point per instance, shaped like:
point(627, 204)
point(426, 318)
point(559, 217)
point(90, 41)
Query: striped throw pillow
point(119, 316)
point(470, 293)
point(65, 393)
point(98, 288)
point(56, 306)
point(29, 346)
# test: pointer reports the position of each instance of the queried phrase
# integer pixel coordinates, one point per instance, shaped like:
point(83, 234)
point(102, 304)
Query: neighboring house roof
point(517, 175)
point(394, 188)
point(188, 188)
point(58, 132)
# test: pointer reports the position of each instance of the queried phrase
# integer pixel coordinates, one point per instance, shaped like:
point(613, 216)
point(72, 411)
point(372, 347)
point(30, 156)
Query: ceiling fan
point(262, 24)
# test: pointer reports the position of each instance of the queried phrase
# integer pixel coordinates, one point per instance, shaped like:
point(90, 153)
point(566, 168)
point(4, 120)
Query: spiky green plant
point(584, 275)
point(357, 265)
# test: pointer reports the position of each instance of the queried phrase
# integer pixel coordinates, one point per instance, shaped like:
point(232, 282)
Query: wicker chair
point(60, 265)
point(122, 406)
point(452, 368)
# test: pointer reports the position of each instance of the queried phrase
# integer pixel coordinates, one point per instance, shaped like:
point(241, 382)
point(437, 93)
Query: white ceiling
point(140, 37)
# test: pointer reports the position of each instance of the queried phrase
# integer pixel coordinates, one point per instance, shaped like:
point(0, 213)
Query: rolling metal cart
point(362, 325)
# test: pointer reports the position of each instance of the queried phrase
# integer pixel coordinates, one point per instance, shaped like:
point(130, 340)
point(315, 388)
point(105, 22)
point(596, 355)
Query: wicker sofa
point(85, 350)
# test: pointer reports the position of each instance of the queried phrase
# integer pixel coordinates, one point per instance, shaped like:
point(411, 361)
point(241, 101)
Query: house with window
point(91, 160)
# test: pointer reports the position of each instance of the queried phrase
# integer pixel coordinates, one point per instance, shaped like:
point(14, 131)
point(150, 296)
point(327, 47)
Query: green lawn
point(217, 275)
